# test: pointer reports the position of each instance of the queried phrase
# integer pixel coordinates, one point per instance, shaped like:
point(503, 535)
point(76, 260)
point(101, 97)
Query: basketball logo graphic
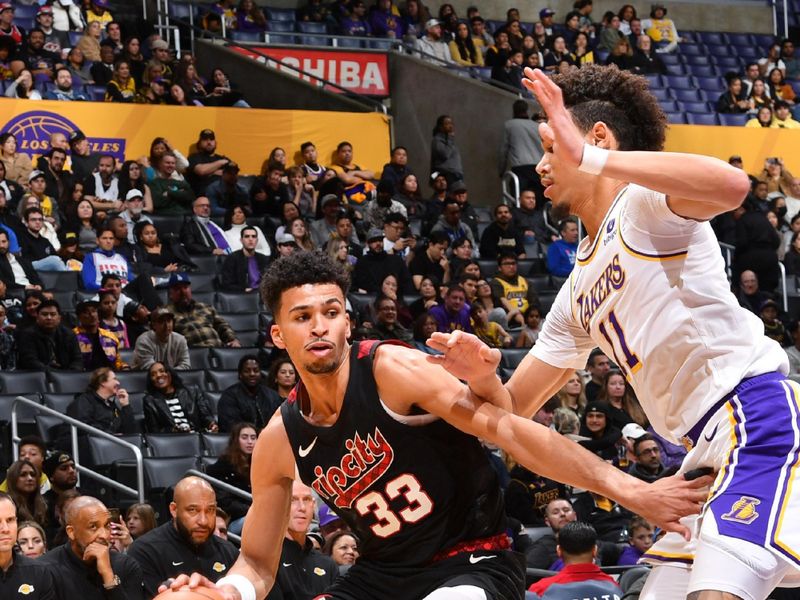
point(34, 128)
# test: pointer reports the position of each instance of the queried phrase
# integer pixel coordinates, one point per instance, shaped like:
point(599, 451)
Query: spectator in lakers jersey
point(512, 289)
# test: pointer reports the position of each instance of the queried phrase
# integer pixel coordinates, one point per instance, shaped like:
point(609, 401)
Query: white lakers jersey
point(650, 290)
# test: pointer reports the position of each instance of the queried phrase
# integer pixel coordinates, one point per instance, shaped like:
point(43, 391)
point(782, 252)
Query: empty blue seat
point(26, 24)
point(679, 82)
point(748, 52)
point(722, 50)
point(22, 11)
point(700, 59)
point(740, 39)
point(655, 80)
point(691, 49)
point(703, 70)
point(693, 107)
point(676, 118)
point(484, 73)
point(661, 94)
point(728, 63)
point(280, 14)
point(733, 119)
point(670, 59)
point(711, 37)
point(691, 37)
point(710, 84)
point(669, 105)
point(247, 36)
point(311, 27)
point(763, 40)
point(180, 10)
point(677, 70)
point(687, 95)
point(702, 119)
point(346, 42)
point(282, 26)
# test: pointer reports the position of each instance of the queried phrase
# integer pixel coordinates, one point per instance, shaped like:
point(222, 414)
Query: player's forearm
point(550, 454)
point(491, 389)
point(692, 176)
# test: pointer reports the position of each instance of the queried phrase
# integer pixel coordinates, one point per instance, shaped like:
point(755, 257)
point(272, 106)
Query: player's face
point(642, 539)
point(313, 326)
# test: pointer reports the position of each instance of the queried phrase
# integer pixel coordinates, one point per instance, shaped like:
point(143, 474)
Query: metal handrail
point(510, 183)
point(74, 426)
point(784, 294)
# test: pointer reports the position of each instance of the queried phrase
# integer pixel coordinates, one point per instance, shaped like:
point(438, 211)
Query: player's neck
point(594, 207)
point(324, 393)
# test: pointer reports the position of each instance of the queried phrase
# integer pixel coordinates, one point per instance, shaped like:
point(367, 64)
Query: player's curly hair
point(300, 268)
point(619, 99)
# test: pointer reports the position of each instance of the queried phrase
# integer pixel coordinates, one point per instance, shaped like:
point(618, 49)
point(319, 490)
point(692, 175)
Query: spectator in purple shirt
point(356, 23)
point(384, 22)
point(454, 314)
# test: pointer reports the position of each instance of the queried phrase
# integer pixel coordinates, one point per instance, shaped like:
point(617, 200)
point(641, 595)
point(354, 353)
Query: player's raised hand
point(665, 501)
point(559, 130)
point(464, 356)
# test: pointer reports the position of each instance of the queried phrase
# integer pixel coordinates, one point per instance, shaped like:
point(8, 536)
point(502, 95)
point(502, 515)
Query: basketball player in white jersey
point(649, 289)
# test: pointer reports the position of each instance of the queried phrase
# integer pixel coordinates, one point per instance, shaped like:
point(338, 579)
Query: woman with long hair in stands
point(165, 256)
point(223, 92)
point(122, 87)
point(23, 486)
point(409, 196)
point(187, 77)
point(282, 377)
point(758, 96)
point(338, 251)
point(573, 394)
point(582, 50)
point(763, 118)
point(172, 407)
point(779, 89)
point(23, 87)
point(132, 178)
point(132, 52)
point(31, 539)
point(81, 218)
point(140, 519)
point(288, 211)
point(299, 231)
point(89, 44)
point(18, 164)
point(624, 408)
point(235, 220)
point(233, 468)
point(463, 49)
point(158, 147)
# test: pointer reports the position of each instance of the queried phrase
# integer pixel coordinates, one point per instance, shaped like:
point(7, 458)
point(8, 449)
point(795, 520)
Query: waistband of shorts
point(496, 542)
point(694, 433)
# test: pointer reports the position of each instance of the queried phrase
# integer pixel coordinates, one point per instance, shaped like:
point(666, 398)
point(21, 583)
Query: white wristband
point(242, 584)
point(594, 159)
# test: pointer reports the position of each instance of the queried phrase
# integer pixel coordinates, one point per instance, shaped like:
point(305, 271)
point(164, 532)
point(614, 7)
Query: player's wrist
point(241, 584)
point(594, 159)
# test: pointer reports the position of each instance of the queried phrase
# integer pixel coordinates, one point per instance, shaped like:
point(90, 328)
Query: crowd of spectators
point(80, 57)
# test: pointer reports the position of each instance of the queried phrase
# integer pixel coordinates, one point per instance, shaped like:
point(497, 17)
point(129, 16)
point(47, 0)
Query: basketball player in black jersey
point(385, 438)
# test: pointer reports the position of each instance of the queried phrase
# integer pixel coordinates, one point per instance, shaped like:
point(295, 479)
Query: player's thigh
point(458, 592)
point(666, 582)
point(733, 569)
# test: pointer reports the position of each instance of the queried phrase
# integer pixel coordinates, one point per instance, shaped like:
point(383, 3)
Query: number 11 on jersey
point(631, 364)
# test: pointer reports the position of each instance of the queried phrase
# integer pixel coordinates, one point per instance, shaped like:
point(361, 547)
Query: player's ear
point(349, 330)
point(277, 338)
point(602, 136)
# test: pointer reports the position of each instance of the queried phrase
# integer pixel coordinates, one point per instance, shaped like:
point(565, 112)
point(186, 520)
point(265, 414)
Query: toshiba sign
point(359, 72)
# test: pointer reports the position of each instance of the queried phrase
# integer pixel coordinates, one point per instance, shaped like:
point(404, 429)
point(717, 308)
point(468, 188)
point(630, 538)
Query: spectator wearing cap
point(99, 347)
point(227, 192)
point(450, 223)
point(432, 47)
point(242, 269)
point(161, 344)
point(249, 400)
point(84, 161)
point(35, 246)
point(162, 58)
point(647, 453)
point(54, 40)
point(132, 214)
point(198, 322)
point(372, 268)
point(64, 90)
point(580, 577)
point(16, 272)
point(661, 29)
point(98, 11)
point(48, 204)
point(382, 205)
point(773, 326)
point(48, 344)
point(7, 26)
point(601, 435)
point(171, 196)
point(323, 229)
point(205, 165)
point(546, 18)
point(286, 244)
point(201, 235)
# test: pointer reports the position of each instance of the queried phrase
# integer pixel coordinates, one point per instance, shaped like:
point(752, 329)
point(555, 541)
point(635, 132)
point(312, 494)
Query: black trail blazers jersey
point(412, 493)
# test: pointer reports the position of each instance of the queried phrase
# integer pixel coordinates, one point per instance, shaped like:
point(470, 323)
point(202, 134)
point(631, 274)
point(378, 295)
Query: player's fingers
point(437, 359)
point(455, 338)
point(440, 337)
point(490, 355)
point(179, 581)
point(436, 344)
point(196, 580)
